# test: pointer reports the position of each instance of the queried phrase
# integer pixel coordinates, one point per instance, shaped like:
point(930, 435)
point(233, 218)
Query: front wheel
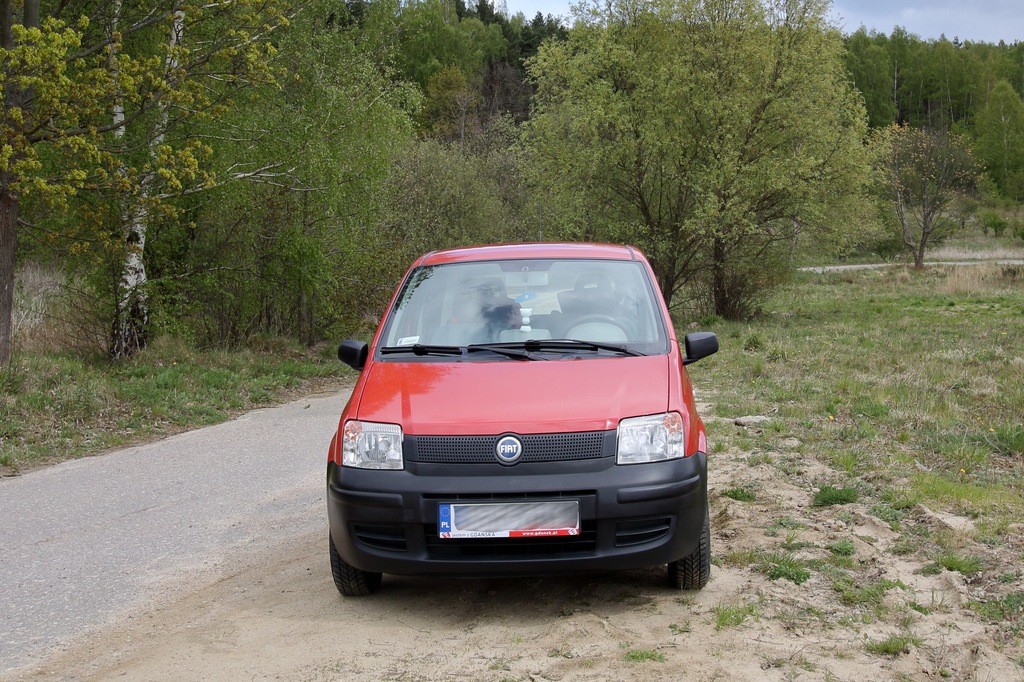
point(351, 581)
point(692, 572)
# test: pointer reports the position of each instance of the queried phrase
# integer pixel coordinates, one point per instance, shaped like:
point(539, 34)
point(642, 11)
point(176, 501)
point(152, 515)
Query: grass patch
point(888, 514)
point(828, 496)
point(775, 565)
point(740, 494)
point(740, 558)
point(643, 655)
point(732, 615)
point(965, 494)
point(894, 645)
point(843, 548)
point(870, 594)
point(56, 407)
point(781, 523)
point(967, 565)
point(1007, 611)
point(787, 567)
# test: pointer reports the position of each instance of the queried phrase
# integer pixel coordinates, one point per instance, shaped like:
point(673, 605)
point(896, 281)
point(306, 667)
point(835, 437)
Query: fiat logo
point(509, 450)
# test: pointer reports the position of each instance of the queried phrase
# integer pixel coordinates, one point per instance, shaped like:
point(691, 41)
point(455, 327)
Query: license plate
point(508, 520)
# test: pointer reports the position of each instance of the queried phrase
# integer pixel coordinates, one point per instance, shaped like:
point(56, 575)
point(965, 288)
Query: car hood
point(484, 398)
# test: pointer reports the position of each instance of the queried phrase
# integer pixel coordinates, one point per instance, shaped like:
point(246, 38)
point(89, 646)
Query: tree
point(92, 95)
point(289, 255)
point(30, 60)
point(1000, 139)
point(434, 37)
point(450, 103)
point(715, 135)
point(438, 196)
point(869, 64)
point(924, 172)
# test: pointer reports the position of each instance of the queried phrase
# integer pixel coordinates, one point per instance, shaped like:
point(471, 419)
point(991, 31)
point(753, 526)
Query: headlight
point(368, 445)
point(650, 439)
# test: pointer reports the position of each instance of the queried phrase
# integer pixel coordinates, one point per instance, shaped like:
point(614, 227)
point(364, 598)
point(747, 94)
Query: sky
point(977, 20)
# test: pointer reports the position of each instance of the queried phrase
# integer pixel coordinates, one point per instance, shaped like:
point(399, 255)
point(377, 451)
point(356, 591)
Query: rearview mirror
point(353, 353)
point(700, 345)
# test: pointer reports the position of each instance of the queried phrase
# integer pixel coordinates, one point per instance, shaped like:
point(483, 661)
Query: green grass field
point(909, 384)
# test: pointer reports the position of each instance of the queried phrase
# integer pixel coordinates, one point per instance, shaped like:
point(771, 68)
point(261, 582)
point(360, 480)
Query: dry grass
point(37, 290)
point(972, 246)
point(983, 279)
point(52, 314)
point(961, 253)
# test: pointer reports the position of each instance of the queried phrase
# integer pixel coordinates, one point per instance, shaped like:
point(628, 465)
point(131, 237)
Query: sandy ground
point(276, 615)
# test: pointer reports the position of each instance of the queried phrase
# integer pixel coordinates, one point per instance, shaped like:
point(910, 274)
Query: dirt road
point(875, 266)
point(270, 611)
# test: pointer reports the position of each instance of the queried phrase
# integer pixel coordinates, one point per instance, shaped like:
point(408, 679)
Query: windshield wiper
point(509, 350)
point(577, 344)
point(422, 349)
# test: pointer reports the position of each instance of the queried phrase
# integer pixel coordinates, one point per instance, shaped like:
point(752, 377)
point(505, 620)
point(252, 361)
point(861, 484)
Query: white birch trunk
point(132, 317)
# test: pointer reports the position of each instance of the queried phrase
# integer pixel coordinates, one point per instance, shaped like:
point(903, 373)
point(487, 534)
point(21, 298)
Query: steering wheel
point(599, 319)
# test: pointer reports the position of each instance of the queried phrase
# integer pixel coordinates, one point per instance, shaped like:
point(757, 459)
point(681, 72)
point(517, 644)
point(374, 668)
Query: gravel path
point(874, 266)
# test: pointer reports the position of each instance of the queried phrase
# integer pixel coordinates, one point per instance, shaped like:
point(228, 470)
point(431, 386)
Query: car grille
point(502, 497)
point(545, 447)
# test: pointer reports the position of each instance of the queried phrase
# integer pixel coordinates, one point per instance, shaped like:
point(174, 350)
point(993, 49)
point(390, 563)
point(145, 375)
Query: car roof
point(530, 251)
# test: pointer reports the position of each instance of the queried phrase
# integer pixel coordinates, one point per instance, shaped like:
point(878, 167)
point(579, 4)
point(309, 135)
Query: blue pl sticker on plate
point(444, 520)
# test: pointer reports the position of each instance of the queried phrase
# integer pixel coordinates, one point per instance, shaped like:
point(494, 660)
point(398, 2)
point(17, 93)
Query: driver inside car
point(481, 311)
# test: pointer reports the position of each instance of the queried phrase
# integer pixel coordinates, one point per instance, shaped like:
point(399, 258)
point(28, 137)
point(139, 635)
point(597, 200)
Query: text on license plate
point(508, 520)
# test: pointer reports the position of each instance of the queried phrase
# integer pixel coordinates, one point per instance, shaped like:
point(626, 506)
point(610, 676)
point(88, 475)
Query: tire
point(351, 581)
point(693, 572)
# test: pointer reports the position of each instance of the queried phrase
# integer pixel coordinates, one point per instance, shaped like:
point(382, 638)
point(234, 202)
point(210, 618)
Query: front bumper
point(631, 516)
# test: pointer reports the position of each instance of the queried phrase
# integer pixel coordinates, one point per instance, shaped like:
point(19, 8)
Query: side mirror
point(353, 354)
point(700, 345)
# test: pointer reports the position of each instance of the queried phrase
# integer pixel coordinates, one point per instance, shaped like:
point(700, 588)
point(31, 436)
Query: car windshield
point(516, 303)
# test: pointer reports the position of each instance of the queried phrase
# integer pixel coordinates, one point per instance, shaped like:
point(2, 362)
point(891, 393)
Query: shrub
point(990, 220)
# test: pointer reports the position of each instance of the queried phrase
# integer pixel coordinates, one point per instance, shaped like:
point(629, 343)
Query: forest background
point(249, 169)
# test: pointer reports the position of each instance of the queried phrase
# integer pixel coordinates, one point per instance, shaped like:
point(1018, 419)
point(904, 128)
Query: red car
point(523, 409)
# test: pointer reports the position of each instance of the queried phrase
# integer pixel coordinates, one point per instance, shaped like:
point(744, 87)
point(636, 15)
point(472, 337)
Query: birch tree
point(95, 99)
